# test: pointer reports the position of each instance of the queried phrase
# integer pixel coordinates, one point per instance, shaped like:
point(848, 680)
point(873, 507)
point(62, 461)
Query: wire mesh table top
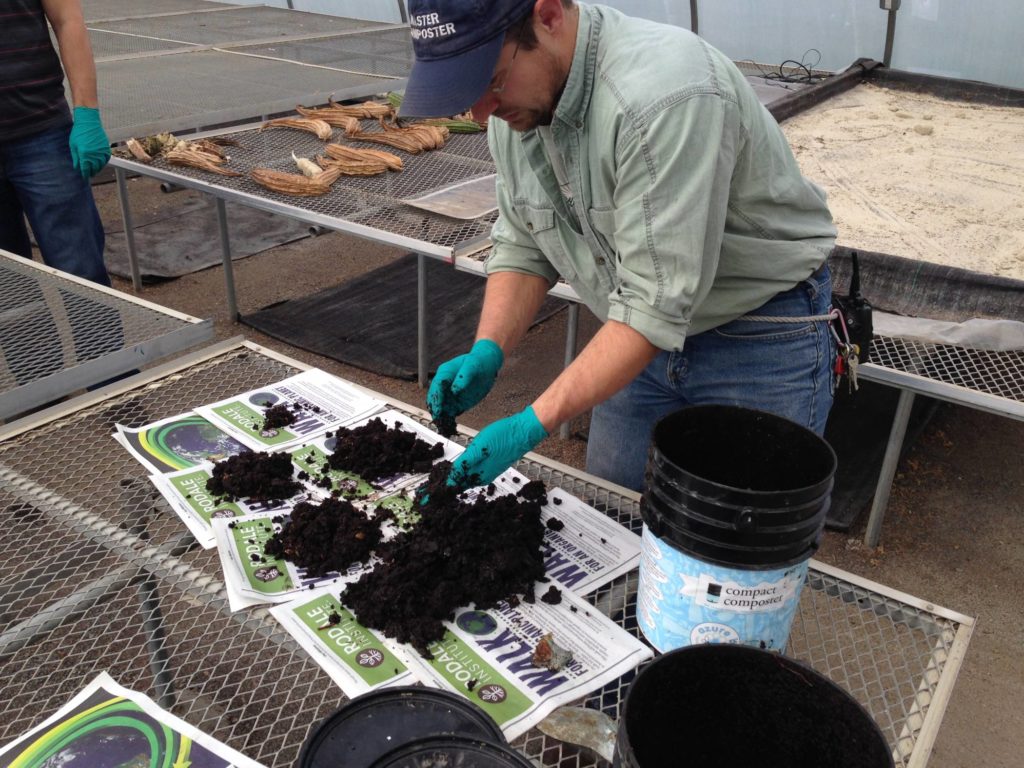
point(366, 205)
point(52, 324)
point(955, 371)
point(106, 578)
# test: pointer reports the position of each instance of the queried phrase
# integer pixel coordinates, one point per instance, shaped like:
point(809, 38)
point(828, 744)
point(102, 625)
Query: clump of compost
point(461, 552)
point(255, 476)
point(445, 423)
point(375, 451)
point(325, 537)
point(277, 416)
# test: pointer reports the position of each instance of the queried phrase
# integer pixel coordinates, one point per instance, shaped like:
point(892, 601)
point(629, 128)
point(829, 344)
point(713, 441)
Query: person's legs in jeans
point(780, 367)
point(58, 203)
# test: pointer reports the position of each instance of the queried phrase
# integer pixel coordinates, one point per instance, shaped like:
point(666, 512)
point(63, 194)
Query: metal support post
point(889, 462)
point(225, 249)
point(129, 227)
point(572, 325)
point(422, 348)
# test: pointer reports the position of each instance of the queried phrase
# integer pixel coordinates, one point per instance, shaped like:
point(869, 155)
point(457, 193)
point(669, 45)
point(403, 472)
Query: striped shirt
point(31, 78)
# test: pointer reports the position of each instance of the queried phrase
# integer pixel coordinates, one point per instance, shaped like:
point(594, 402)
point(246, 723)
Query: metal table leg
point(571, 328)
point(422, 348)
point(225, 248)
point(129, 227)
point(892, 457)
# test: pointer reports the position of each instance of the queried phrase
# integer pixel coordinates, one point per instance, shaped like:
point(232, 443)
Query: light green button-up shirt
point(683, 207)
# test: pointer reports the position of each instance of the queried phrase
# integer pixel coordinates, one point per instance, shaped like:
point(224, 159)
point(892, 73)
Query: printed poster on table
point(177, 443)
point(107, 725)
point(320, 400)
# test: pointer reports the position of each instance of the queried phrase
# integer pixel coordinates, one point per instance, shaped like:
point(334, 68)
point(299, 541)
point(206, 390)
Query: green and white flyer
point(488, 657)
point(186, 493)
point(107, 725)
point(320, 400)
point(357, 659)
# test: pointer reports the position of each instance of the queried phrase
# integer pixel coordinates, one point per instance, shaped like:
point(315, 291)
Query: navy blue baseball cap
point(457, 44)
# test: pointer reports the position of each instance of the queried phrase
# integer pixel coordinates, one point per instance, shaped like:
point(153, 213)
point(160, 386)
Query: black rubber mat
point(187, 239)
point(370, 321)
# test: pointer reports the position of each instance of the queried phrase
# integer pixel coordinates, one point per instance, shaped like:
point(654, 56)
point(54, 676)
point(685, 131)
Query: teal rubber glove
point(90, 147)
point(462, 382)
point(496, 448)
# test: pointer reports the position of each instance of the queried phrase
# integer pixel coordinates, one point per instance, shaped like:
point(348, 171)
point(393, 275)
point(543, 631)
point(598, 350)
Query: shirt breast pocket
point(542, 225)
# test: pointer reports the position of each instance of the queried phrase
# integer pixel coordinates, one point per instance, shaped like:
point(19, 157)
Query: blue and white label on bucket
point(685, 601)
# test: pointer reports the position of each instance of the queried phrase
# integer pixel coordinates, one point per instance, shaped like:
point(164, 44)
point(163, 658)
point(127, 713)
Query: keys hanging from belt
point(846, 353)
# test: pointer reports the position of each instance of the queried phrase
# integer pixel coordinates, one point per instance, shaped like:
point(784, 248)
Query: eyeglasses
point(500, 87)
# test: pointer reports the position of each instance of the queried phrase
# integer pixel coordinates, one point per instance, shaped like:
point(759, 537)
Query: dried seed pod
point(317, 127)
point(291, 183)
point(183, 155)
point(333, 117)
point(341, 152)
point(369, 109)
point(365, 167)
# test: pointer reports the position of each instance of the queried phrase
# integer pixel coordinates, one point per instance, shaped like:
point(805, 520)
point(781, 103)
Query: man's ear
point(549, 15)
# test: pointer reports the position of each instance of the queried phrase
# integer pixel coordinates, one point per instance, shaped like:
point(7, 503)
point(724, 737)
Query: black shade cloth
point(370, 321)
point(922, 289)
point(858, 431)
point(188, 239)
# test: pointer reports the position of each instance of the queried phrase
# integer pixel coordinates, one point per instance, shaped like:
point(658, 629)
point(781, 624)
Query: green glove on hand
point(496, 448)
point(462, 382)
point(90, 147)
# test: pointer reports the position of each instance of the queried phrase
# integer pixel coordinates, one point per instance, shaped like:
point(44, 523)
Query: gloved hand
point(462, 382)
point(496, 448)
point(90, 147)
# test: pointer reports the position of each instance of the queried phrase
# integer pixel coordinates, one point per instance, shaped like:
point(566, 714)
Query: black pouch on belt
point(856, 314)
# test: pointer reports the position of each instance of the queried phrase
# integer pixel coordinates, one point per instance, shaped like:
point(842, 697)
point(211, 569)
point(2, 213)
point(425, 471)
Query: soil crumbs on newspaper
point(478, 550)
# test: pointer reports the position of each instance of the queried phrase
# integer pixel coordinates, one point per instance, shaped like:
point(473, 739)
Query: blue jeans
point(38, 181)
point(782, 368)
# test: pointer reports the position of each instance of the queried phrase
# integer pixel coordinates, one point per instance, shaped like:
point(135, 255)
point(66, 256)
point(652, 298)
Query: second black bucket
point(372, 725)
point(733, 507)
point(733, 707)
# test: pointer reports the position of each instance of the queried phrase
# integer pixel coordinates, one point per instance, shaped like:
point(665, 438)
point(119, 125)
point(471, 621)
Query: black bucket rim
point(707, 408)
point(392, 696)
point(475, 746)
point(711, 650)
point(656, 498)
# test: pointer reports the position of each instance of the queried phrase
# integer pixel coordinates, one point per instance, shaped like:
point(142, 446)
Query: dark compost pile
point(255, 476)
point(374, 451)
point(460, 553)
point(325, 537)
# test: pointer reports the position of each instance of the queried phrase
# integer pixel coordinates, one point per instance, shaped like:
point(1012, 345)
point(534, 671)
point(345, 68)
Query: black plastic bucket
point(371, 725)
point(452, 752)
point(730, 706)
point(734, 505)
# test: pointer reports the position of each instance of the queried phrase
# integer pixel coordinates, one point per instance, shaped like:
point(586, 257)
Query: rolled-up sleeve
point(673, 172)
